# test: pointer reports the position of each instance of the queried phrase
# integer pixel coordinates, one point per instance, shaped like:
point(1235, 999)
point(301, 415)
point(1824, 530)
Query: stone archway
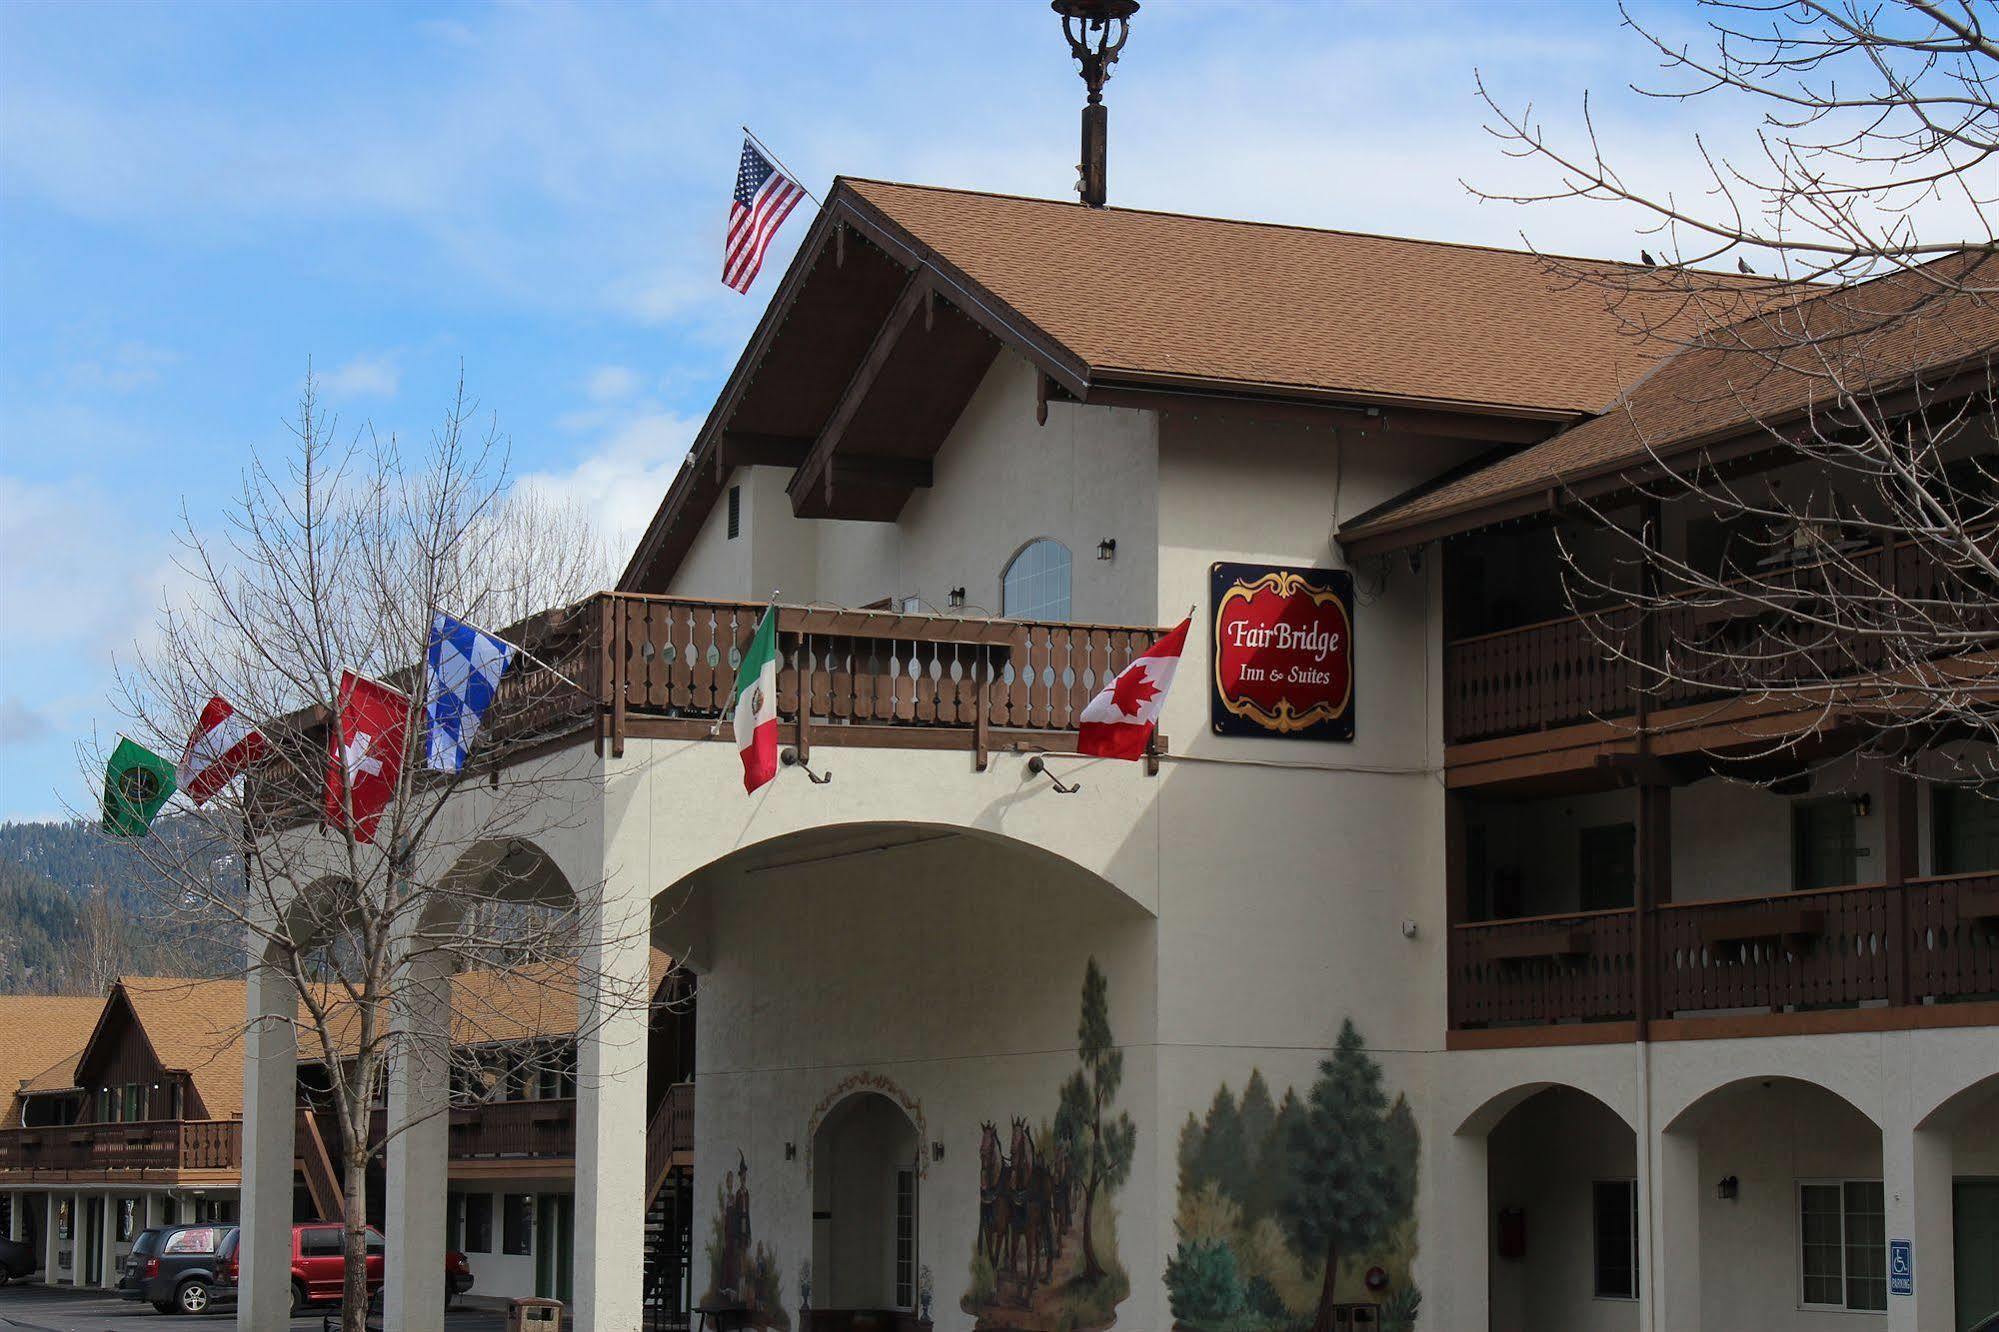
point(865, 1171)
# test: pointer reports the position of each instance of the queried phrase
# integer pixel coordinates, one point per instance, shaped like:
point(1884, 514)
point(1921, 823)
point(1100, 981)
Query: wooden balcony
point(669, 1137)
point(1580, 668)
point(164, 1149)
point(1929, 944)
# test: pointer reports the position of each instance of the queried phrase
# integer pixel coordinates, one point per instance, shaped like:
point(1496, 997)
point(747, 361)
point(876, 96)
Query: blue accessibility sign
point(1901, 1267)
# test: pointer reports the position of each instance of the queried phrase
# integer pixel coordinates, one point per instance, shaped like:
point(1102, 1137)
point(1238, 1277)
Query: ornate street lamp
point(1096, 30)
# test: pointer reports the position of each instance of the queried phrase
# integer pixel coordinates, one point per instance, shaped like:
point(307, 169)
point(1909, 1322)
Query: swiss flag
point(1120, 720)
point(364, 754)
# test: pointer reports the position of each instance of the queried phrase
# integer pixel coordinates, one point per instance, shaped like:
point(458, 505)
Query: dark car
point(185, 1269)
point(17, 1261)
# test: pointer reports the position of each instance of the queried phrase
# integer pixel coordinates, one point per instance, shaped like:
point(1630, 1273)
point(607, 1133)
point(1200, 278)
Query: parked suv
point(186, 1269)
point(319, 1265)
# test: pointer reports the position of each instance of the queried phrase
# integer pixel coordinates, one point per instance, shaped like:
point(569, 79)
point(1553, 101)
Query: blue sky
point(197, 200)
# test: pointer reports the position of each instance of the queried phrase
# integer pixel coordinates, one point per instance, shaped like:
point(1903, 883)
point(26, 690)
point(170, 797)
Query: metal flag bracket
point(791, 758)
point(1039, 767)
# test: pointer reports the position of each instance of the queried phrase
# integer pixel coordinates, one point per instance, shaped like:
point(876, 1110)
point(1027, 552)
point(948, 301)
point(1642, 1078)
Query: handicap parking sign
point(1901, 1268)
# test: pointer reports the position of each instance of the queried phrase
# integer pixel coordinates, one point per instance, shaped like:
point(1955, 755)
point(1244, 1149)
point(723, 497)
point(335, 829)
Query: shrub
point(1201, 1283)
point(1398, 1311)
point(1260, 1297)
point(985, 1286)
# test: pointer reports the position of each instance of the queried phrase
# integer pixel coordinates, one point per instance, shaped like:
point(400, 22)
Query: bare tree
point(336, 556)
point(1826, 424)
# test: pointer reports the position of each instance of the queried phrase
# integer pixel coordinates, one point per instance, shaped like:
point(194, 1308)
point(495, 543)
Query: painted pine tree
point(1108, 1144)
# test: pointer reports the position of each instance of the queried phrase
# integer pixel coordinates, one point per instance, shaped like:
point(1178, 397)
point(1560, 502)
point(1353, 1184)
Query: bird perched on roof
point(1645, 258)
point(1742, 266)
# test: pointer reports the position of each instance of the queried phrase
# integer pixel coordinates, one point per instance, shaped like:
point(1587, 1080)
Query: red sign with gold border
point(1283, 652)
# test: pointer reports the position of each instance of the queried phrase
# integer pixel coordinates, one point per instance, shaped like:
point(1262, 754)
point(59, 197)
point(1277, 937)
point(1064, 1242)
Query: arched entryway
point(1956, 1151)
point(865, 1174)
point(1563, 1212)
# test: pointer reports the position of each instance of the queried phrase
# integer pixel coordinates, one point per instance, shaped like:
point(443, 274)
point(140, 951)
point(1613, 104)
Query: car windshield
point(148, 1241)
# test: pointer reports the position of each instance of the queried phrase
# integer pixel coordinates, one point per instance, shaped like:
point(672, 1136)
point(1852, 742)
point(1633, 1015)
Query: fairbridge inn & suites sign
point(1283, 652)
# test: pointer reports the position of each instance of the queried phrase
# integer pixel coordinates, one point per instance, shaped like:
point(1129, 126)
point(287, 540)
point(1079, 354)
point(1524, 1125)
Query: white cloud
point(611, 383)
point(129, 366)
point(363, 377)
point(21, 724)
point(620, 481)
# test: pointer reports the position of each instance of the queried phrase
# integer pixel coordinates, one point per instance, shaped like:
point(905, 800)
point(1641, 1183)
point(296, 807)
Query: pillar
point(1916, 1186)
point(51, 1246)
point(107, 1244)
point(270, 1082)
point(1674, 1278)
point(611, 1113)
point(1456, 1289)
point(418, 1147)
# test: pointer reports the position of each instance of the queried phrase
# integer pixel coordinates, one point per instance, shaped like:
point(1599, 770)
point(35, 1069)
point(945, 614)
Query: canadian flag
point(364, 754)
point(223, 744)
point(1120, 720)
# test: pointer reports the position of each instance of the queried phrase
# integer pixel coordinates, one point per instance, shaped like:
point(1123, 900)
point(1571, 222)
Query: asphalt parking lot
point(40, 1309)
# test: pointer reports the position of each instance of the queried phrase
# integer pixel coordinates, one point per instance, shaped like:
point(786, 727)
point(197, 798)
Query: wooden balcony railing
point(1930, 940)
point(669, 1135)
point(146, 1147)
point(543, 1128)
point(1580, 668)
point(877, 677)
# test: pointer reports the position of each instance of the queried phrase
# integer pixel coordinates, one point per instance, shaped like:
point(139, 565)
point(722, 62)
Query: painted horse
point(1032, 1225)
point(995, 1204)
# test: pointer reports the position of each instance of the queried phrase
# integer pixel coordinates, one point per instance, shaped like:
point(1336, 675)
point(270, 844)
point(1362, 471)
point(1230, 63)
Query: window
point(478, 1223)
point(373, 1242)
point(202, 1239)
point(517, 1224)
point(1035, 585)
point(1843, 1241)
point(320, 1242)
point(134, 1102)
point(905, 1239)
point(1616, 1210)
point(1824, 853)
point(735, 511)
point(558, 1076)
point(1966, 829)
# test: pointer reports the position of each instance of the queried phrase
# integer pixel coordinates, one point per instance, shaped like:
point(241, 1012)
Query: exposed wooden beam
point(816, 469)
point(908, 473)
point(741, 448)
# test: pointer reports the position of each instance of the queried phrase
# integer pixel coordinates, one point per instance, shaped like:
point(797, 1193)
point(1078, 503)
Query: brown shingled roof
point(196, 1026)
point(1761, 373)
point(1285, 307)
point(41, 1034)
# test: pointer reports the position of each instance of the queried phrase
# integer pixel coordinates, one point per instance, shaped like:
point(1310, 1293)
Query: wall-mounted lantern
point(1726, 1188)
point(1107, 548)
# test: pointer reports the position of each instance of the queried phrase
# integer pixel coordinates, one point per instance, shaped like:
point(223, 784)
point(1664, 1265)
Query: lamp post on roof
point(1096, 30)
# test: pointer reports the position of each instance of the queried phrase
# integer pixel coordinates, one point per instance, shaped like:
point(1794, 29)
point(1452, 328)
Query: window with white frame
point(1615, 1209)
point(1035, 583)
point(1843, 1244)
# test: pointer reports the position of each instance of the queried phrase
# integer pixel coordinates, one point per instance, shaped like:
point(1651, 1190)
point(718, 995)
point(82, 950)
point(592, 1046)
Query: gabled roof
point(38, 1034)
point(897, 300)
point(196, 1027)
point(1746, 383)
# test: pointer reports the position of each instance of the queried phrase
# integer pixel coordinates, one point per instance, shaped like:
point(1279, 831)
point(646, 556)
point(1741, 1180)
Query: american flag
point(764, 197)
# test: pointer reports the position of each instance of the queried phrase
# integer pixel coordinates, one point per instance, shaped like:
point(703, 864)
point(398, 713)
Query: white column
point(1675, 1277)
point(418, 1146)
point(1916, 1186)
point(17, 1204)
point(270, 1080)
point(611, 1116)
point(51, 1246)
point(107, 1271)
point(1459, 1280)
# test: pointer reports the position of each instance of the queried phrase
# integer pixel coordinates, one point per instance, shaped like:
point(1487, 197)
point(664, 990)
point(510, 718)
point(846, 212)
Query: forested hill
point(77, 909)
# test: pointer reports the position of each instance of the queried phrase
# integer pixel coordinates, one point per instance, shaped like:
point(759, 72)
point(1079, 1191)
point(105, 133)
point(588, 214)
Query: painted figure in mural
point(736, 1231)
point(1062, 1180)
point(1033, 1231)
point(995, 1214)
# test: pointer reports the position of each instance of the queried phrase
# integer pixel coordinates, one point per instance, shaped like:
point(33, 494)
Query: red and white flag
point(364, 754)
point(1120, 720)
point(223, 744)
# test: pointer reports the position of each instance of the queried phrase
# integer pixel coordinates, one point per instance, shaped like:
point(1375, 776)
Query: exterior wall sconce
point(791, 1151)
point(1107, 548)
point(936, 1151)
point(1727, 1188)
point(957, 598)
point(1863, 805)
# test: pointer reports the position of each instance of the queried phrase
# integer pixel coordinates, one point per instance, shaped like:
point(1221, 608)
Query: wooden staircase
point(315, 1164)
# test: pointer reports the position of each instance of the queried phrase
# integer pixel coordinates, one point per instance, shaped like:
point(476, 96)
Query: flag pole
point(770, 609)
point(796, 179)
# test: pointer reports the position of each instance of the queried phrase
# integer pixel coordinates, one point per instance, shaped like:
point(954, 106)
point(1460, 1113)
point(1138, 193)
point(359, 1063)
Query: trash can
point(534, 1315)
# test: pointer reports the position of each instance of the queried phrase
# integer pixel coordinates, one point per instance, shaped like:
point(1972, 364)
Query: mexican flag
point(137, 783)
point(756, 705)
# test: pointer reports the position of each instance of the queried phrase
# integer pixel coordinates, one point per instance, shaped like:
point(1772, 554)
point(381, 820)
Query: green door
point(1824, 846)
point(1975, 1223)
point(555, 1246)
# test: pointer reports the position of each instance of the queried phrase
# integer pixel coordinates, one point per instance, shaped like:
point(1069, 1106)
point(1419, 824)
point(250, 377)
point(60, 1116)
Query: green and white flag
point(756, 705)
point(137, 783)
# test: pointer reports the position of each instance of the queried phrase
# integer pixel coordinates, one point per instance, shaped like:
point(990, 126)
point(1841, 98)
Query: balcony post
point(1898, 813)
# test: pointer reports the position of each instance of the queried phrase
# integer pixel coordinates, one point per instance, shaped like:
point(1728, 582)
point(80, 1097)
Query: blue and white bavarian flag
point(465, 665)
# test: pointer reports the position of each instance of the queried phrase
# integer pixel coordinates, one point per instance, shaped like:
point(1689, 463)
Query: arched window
point(1035, 585)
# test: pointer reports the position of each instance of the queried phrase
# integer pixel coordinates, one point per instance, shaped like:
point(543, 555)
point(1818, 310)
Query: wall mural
point(742, 1274)
point(1046, 1257)
point(1290, 1209)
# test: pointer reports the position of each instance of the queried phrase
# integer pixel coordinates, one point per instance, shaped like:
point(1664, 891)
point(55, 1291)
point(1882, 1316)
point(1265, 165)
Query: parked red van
point(319, 1267)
